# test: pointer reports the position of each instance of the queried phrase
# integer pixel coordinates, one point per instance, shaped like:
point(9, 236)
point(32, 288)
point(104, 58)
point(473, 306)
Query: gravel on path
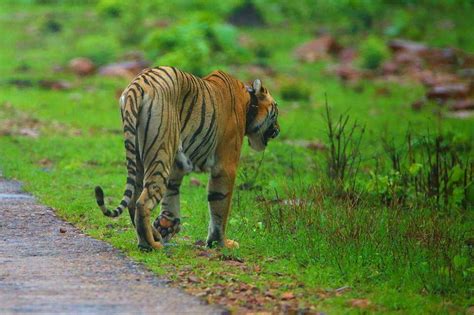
point(49, 266)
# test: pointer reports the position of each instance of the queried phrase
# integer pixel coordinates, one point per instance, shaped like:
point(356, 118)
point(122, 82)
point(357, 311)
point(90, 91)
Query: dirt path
point(45, 271)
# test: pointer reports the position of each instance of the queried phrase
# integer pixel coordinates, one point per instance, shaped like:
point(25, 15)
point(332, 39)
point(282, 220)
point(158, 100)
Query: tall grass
point(409, 224)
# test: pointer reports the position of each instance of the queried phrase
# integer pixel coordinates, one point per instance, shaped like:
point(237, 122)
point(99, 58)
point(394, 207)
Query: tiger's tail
point(130, 101)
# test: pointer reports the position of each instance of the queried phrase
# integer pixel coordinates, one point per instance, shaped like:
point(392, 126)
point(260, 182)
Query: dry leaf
point(359, 303)
point(287, 296)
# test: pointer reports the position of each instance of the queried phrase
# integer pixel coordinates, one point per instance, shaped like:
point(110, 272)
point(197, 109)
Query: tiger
point(175, 123)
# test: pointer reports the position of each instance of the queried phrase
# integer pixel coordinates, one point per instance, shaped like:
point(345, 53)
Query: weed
point(343, 158)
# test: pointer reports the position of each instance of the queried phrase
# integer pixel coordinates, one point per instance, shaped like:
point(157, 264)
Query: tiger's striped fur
point(174, 123)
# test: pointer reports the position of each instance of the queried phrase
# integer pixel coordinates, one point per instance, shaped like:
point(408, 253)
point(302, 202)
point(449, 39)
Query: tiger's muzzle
point(271, 133)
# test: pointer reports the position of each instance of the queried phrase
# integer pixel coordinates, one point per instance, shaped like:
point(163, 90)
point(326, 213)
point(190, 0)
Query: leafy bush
point(295, 90)
point(198, 44)
point(428, 170)
point(101, 49)
point(373, 51)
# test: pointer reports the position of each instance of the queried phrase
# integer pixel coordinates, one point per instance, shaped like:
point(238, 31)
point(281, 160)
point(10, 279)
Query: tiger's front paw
point(167, 225)
point(231, 244)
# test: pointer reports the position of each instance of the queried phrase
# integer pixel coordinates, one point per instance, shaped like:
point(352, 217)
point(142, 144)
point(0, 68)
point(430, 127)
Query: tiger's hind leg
point(168, 223)
point(147, 237)
point(158, 136)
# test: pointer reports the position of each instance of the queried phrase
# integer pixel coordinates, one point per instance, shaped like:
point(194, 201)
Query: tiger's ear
point(257, 87)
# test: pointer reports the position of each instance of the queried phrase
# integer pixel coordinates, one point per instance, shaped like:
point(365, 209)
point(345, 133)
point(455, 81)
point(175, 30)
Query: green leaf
point(415, 168)
point(456, 173)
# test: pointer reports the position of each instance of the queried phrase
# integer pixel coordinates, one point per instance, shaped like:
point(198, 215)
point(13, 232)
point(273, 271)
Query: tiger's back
point(200, 108)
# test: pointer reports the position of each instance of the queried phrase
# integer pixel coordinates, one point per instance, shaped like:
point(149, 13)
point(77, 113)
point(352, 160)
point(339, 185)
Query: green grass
point(371, 248)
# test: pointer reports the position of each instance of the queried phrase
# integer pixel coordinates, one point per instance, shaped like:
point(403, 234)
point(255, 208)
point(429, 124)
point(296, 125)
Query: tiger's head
point(262, 114)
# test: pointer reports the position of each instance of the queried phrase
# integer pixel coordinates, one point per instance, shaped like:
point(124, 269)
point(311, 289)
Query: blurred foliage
point(295, 90)
point(373, 51)
point(196, 35)
point(197, 44)
point(197, 41)
point(101, 49)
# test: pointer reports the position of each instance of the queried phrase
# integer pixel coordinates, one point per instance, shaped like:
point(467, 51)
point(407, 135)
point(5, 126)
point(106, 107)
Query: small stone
point(126, 69)
point(82, 66)
point(195, 182)
point(193, 279)
point(317, 49)
point(417, 105)
point(445, 91)
point(200, 243)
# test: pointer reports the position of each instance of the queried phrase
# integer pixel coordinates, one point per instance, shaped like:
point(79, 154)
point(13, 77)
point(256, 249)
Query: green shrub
point(101, 49)
point(198, 44)
point(296, 90)
point(373, 51)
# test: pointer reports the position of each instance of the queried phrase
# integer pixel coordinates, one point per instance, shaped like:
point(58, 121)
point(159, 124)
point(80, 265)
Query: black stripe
point(188, 115)
point(152, 144)
point(130, 181)
point(201, 124)
point(216, 196)
point(174, 186)
point(147, 125)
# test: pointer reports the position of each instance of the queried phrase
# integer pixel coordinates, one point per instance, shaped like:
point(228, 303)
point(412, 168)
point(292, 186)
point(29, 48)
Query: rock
point(445, 91)
point(408, 59)
point(417, 105)
point(347, 55)
point(126, 69)
point(343, 290)
point(193, 279)
point(461, 114)
point(359, 303)
point(200, 243)
point(317, 49)
point(347, 73)
point(431, 78)
point(55, 85)
point(195, 182)
point(390, 67)
point(82, 66)
point(462, 105)
point(29, 132)
point(398, 45)
point(438, 58)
